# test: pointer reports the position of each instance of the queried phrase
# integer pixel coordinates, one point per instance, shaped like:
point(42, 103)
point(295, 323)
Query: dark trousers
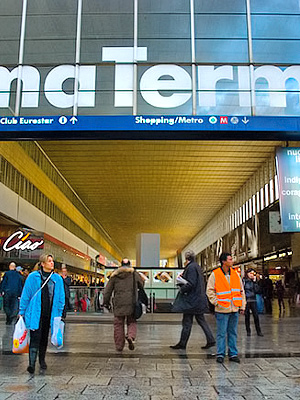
point(252, 306)
point(281, 303)
point(268, 305)
point(10, 306)
point(39, 337)
point(187, 323)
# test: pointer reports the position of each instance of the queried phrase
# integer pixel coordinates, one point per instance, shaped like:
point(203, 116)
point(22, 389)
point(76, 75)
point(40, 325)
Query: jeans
point(227, 325)
point(187, 322)
point(10, 306)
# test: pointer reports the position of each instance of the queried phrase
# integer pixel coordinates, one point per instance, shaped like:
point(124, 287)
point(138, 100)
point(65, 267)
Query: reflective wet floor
point(88, 367)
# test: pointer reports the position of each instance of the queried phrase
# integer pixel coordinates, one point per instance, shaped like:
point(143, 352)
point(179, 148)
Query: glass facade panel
point(102, 26)
point(164, 47)
point(223, 103)
point(92, 49)
point(108, 6)
point(275, 6)
point(276, 27)
point(165, 88)
point(171, 50)
point(50, 39)
point(10, 27)
point(220, 6)
point(164, 6)
point(276, 51)
point(221, 51)
point(221, 26)
point(53, 7)
point(147, 109)
point(58, 51)
point(161, 26)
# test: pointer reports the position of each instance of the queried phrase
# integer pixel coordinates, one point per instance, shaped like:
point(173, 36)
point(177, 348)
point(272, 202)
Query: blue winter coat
point(30, 305)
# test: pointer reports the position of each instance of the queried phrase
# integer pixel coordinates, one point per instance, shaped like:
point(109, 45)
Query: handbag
point(138, 304)
point(20, 337)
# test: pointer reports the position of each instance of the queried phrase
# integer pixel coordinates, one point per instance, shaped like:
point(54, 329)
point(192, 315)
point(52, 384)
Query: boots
point(42, 354)
point(32, 359)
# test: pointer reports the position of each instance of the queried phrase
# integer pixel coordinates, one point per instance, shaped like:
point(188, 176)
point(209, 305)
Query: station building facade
point(139, 57)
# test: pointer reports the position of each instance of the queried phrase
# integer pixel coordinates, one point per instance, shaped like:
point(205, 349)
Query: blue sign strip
point(150, 123)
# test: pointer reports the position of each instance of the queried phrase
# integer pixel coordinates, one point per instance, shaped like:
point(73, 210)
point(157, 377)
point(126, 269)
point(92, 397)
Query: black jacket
point(192, 298)
point(251, 289)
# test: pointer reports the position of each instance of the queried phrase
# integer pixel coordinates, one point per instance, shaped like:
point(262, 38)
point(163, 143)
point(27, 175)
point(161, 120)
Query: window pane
point(275, 6)
point(111, 6)
point(10, 27)
point(275, 26)
point(220, 6)
point(221, 51)
point(164, 6)
point(276, 51)
point(164, 90)
point(221, 26)
point(50, 32)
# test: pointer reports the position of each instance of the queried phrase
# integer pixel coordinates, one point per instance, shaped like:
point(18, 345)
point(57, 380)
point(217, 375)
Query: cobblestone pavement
point(88, 367)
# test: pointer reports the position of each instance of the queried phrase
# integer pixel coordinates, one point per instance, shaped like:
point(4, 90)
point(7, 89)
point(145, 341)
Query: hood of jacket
point(122, 272)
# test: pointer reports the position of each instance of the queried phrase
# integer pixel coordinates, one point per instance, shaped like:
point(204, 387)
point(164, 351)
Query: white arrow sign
point(245, 120)
point(73, 120)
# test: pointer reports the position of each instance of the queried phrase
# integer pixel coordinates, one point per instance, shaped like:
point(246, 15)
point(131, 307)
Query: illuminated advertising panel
point(288, 170)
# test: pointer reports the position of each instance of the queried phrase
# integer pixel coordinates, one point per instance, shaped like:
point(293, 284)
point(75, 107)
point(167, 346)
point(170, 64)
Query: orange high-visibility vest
point(225, 292)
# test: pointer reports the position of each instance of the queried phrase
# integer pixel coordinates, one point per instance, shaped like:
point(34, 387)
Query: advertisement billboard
point(288, 170)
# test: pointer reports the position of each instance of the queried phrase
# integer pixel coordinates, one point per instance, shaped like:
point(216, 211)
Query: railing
point(90, 299)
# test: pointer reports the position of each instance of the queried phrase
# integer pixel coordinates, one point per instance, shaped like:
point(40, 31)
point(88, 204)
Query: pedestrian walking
point(67, 283)
point(268, 293)
point(251, 290)
point(280, 295)
point(123, 285)
point(11, 288)
point(192, 302)
point(225, 291)
point(42, 300)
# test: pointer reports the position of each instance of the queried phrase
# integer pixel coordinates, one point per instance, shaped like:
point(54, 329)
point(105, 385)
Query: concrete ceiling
point(165, 187)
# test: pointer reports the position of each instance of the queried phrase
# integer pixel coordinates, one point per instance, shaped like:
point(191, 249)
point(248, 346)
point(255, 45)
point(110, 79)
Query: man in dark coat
point(192, 302)
point(11, 287)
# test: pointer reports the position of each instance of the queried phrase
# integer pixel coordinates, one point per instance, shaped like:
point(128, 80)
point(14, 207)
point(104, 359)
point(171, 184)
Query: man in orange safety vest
point(226, 292)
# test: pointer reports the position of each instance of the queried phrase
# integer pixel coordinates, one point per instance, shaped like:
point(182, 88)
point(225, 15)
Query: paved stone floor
point(88, 367)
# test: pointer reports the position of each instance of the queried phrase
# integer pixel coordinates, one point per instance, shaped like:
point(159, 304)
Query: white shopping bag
point(20, 338)
point(57, 337)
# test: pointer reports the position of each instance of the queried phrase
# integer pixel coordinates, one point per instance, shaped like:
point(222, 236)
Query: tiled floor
point(88, 367)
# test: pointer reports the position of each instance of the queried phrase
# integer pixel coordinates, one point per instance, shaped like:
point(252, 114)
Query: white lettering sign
point(161, 86)
point(22, 244)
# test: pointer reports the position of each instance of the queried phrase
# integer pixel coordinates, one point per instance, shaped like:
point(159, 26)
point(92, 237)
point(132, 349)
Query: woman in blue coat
point(43, 299)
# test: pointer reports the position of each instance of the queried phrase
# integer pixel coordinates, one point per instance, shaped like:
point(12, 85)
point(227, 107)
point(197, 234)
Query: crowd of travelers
point(43, 295)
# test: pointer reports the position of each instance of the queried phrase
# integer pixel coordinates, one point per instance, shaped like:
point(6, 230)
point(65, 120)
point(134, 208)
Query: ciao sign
point(20, 241)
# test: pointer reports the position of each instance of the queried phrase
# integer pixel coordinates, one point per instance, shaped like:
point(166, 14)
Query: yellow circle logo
point(16, 343)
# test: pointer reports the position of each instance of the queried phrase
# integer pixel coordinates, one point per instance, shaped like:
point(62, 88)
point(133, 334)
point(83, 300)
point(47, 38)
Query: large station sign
point(150, 127)
point(288, 169)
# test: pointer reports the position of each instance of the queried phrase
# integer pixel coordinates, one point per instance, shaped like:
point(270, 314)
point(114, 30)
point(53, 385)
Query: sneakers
point(260, 334)
point(220, 359)
point(130, 343)
point(248, 333)
point(208, 345)
point(235, 359)
point(178, 346)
